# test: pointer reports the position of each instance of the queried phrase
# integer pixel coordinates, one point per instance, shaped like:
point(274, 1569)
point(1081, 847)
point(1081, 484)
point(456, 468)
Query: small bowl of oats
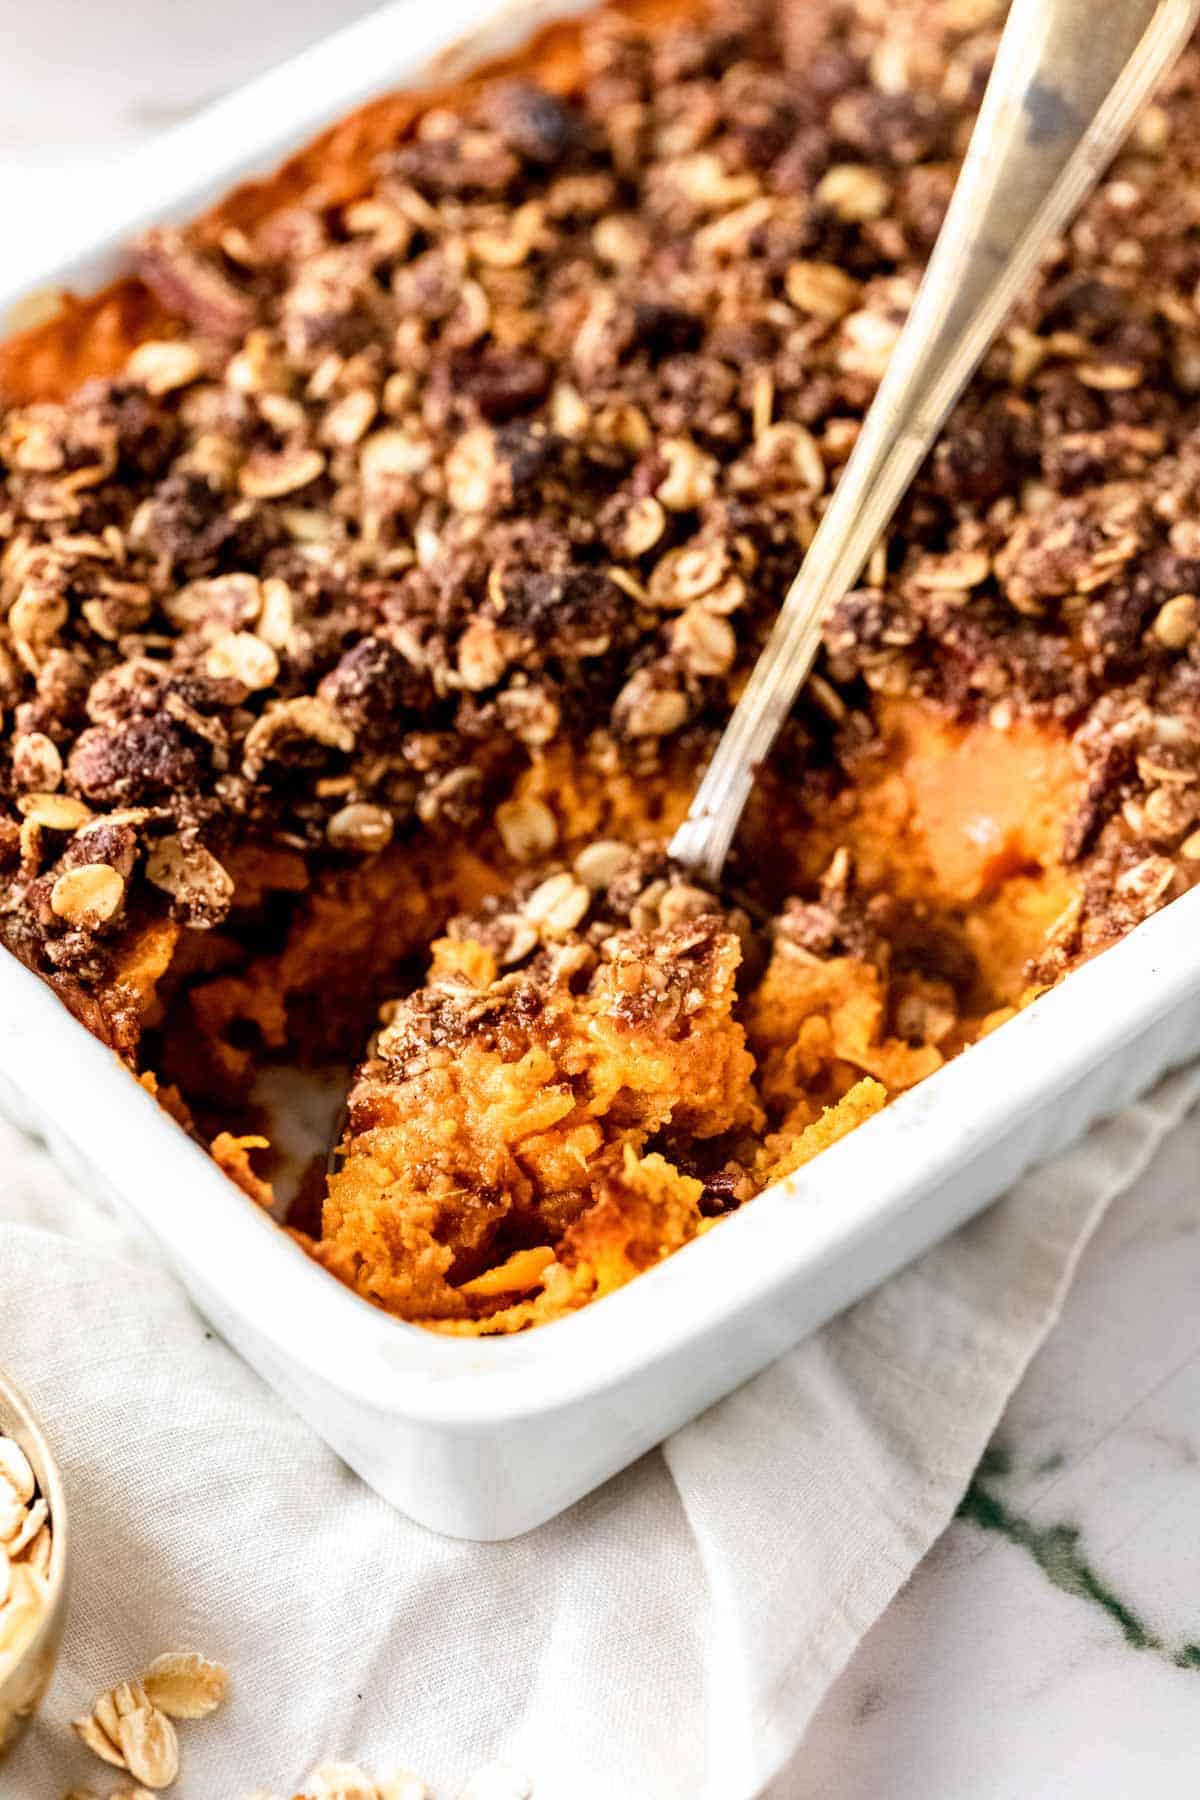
point(33, 1564)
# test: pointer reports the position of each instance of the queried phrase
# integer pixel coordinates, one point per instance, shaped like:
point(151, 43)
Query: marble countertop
point(1049, 1647)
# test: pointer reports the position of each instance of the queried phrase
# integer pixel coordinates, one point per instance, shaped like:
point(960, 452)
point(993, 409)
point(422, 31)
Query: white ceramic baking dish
point(486, 1439)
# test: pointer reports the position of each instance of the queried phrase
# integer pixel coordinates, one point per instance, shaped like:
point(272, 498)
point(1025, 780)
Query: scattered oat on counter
point(125, 1793)
point(184, 1685)
point(125, 1729)
point(130, 1725)
point(25, 1549)
point(347, 1781)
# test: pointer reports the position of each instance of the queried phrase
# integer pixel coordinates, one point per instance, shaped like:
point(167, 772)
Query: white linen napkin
point(669, 1636)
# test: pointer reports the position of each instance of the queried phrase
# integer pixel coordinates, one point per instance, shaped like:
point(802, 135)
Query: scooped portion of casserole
point(398, 536)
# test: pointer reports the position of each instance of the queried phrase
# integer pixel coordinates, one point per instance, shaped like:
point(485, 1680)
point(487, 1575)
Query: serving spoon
point(1068, 81)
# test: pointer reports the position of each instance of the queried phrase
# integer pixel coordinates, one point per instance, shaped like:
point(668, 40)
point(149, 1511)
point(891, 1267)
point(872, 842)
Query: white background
point(85, 83)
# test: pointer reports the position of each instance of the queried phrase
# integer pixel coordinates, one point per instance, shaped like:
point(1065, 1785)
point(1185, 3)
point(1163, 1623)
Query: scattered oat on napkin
point(670, 1636)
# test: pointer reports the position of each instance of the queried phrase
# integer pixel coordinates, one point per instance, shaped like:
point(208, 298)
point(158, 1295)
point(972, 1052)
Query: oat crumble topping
point(432, 530)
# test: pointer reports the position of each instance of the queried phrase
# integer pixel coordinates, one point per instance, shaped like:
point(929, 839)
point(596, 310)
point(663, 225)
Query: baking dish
point(485, 1439)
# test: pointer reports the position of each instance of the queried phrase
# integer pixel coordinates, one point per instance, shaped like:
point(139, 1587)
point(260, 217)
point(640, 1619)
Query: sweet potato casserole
point(379, 562)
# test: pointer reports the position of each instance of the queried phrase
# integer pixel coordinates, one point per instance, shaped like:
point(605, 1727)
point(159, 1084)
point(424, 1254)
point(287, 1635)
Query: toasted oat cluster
point(426, 506)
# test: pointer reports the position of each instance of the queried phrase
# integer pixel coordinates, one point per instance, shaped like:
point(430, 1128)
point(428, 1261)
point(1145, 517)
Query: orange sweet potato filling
point(964, 820)
point(534, 1134)
point(511, 1184)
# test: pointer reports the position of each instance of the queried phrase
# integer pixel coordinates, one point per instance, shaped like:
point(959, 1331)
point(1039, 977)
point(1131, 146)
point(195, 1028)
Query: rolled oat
point(25, 1555)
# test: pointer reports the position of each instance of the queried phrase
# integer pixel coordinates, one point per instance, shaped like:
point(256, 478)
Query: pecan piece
point(192, 284)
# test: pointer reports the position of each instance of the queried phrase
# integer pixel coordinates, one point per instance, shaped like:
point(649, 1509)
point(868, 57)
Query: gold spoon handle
point(1070, 77)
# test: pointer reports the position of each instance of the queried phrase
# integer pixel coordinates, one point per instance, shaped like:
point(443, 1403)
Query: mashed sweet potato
point(603, 1060)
